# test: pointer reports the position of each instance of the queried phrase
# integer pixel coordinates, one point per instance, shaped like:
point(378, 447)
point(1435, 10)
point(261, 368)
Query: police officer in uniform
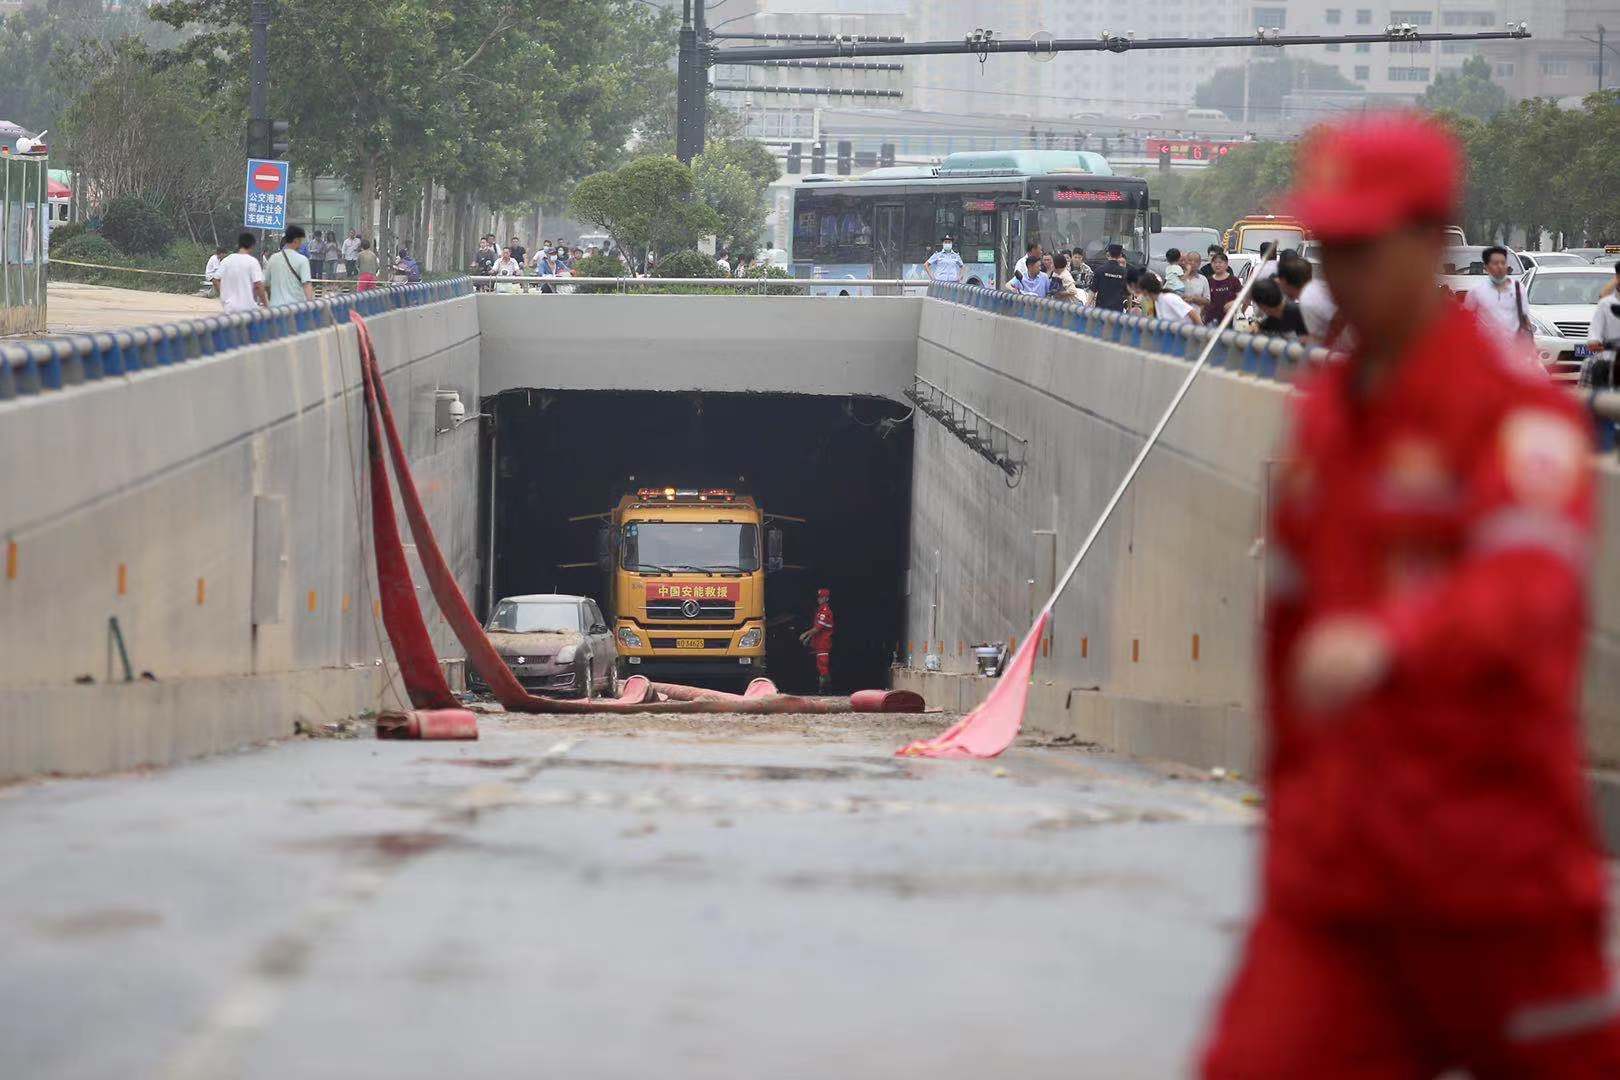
point(944, 264)
point(1433, 897)
point(1109, 280)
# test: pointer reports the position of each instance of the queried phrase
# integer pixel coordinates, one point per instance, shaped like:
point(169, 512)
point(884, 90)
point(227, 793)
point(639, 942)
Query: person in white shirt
point(506, 266)
point(1499, 300)
point(1316, 304)
point(1194, 285)
point(351, 249)
point(1166, 304)
point(239, 279)
point(1604, 332)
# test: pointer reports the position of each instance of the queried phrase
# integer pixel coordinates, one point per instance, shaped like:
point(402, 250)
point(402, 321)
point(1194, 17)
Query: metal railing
point(45, 364)
point(1254, 354)
point(991, 441)
point(530, 283)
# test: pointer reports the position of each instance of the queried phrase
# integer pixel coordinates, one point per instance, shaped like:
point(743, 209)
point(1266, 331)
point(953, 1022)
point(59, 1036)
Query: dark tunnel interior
point(829, 460)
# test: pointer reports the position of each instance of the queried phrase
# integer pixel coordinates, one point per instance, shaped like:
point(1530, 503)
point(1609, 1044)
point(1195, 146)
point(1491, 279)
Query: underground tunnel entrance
point(561, 455)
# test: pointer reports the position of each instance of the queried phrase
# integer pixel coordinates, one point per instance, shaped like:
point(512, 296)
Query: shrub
point(61, 234)
point(599, 266)
point(687, 264)
point(134, 225)
point(88, 247)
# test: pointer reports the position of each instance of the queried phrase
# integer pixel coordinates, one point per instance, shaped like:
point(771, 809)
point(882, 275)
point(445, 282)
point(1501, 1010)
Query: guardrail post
point(10, 358)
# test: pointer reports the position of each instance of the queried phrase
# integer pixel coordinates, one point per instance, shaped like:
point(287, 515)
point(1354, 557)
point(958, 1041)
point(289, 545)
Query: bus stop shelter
point(24, 242)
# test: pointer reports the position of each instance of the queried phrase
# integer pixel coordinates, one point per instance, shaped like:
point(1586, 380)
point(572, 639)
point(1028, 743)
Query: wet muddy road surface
point(701, 897)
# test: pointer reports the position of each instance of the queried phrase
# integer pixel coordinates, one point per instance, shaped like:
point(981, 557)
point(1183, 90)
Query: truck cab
point(686, 582)
point(1247, 234)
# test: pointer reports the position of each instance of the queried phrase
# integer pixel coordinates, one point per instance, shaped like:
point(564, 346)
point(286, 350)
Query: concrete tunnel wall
point(137, 497)
point(767, 344)
point(1180, 558)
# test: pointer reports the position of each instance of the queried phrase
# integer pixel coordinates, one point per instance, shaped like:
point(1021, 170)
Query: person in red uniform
point(1433, 896)
point(819, 639)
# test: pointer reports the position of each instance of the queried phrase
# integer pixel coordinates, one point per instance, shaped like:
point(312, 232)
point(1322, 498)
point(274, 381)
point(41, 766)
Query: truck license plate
point(689, 643)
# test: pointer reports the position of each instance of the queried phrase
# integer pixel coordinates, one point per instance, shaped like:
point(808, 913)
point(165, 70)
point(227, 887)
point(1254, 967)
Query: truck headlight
point(629, 637)
point(750, 638)
point(567, 653)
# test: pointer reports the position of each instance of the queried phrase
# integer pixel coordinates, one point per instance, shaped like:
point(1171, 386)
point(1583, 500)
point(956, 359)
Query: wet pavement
point(677, 897)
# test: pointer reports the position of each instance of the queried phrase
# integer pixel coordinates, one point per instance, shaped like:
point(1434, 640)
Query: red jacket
point(1455, 508)
point(821, 630)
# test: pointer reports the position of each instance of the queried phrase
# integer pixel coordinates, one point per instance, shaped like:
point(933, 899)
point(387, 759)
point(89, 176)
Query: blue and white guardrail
point(51, 363)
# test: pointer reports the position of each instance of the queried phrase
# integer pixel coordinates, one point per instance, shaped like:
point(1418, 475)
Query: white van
point(1208, 116)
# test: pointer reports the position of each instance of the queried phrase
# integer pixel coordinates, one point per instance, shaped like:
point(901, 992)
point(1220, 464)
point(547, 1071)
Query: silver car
point(555, 644)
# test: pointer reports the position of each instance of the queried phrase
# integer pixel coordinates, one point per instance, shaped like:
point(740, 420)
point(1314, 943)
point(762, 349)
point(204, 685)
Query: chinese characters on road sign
point(265, 206)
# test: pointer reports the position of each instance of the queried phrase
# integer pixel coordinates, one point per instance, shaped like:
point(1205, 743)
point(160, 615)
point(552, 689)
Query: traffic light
point(846, 152)
point(818, 157)
point(794, 156)
point(280, 144)
point(886, 155)
point(258, 138)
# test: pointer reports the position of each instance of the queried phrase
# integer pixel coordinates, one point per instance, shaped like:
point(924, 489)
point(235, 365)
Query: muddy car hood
point(509, 644)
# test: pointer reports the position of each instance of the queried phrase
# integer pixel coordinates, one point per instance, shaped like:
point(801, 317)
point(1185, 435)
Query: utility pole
point(259, 80)
point(691, 82)
point(1601, 32)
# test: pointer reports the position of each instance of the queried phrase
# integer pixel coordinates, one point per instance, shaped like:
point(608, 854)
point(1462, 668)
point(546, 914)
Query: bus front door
point(1010, 223)
point(888, 237)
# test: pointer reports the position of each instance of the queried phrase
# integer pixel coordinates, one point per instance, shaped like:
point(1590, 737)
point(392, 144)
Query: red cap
point(1365, 177)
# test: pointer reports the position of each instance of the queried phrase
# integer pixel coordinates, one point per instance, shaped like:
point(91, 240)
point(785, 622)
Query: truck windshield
point(674, 546)
point(535, 616)
point(1285, 239)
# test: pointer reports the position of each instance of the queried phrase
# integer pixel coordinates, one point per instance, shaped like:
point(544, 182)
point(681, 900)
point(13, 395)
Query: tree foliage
point(646, 205)
point(45, 50)
point(149, 131)
point(1269, 82)
point(135, 225)
point(1530, 168)
point(730, 176)
point(504, 100)
point(1468, 91)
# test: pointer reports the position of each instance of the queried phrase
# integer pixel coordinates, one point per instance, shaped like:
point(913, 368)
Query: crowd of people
point(248, 278)
point(1195, 287)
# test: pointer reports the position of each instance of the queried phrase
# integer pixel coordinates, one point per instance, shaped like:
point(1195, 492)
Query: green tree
point(1269, 81)
point(646, 205)
point(730, 176)
point(1250, 179)
point(42, 49)
point(1467, 91)
point(506, 101)
point(150, 134)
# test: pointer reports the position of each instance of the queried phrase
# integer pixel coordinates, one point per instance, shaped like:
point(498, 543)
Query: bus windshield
point(1092, 229)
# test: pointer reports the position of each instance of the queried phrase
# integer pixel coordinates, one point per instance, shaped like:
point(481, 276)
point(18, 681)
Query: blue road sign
point(266, 204)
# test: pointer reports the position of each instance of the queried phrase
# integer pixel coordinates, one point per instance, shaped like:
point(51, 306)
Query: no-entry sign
point(265, 206)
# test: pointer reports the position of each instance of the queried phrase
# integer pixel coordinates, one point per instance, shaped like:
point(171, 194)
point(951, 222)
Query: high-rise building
point(1148, 81)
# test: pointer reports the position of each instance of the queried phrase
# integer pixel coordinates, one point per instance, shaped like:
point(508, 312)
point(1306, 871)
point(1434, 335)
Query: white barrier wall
point(211, 509)
point(768, 344)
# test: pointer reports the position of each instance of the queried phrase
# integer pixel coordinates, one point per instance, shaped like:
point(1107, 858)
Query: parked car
point(1595, 254)
point(555, 644)
point(1145, 117)
point(1533, 259)
point(1462, 267)
point(1560, 301)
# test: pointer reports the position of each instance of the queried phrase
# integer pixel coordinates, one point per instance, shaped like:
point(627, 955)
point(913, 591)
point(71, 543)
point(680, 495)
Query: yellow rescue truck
point(686, 581)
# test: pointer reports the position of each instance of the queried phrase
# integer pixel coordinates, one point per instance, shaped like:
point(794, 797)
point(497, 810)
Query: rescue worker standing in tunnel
point(1433, 897)
point(818, 639)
